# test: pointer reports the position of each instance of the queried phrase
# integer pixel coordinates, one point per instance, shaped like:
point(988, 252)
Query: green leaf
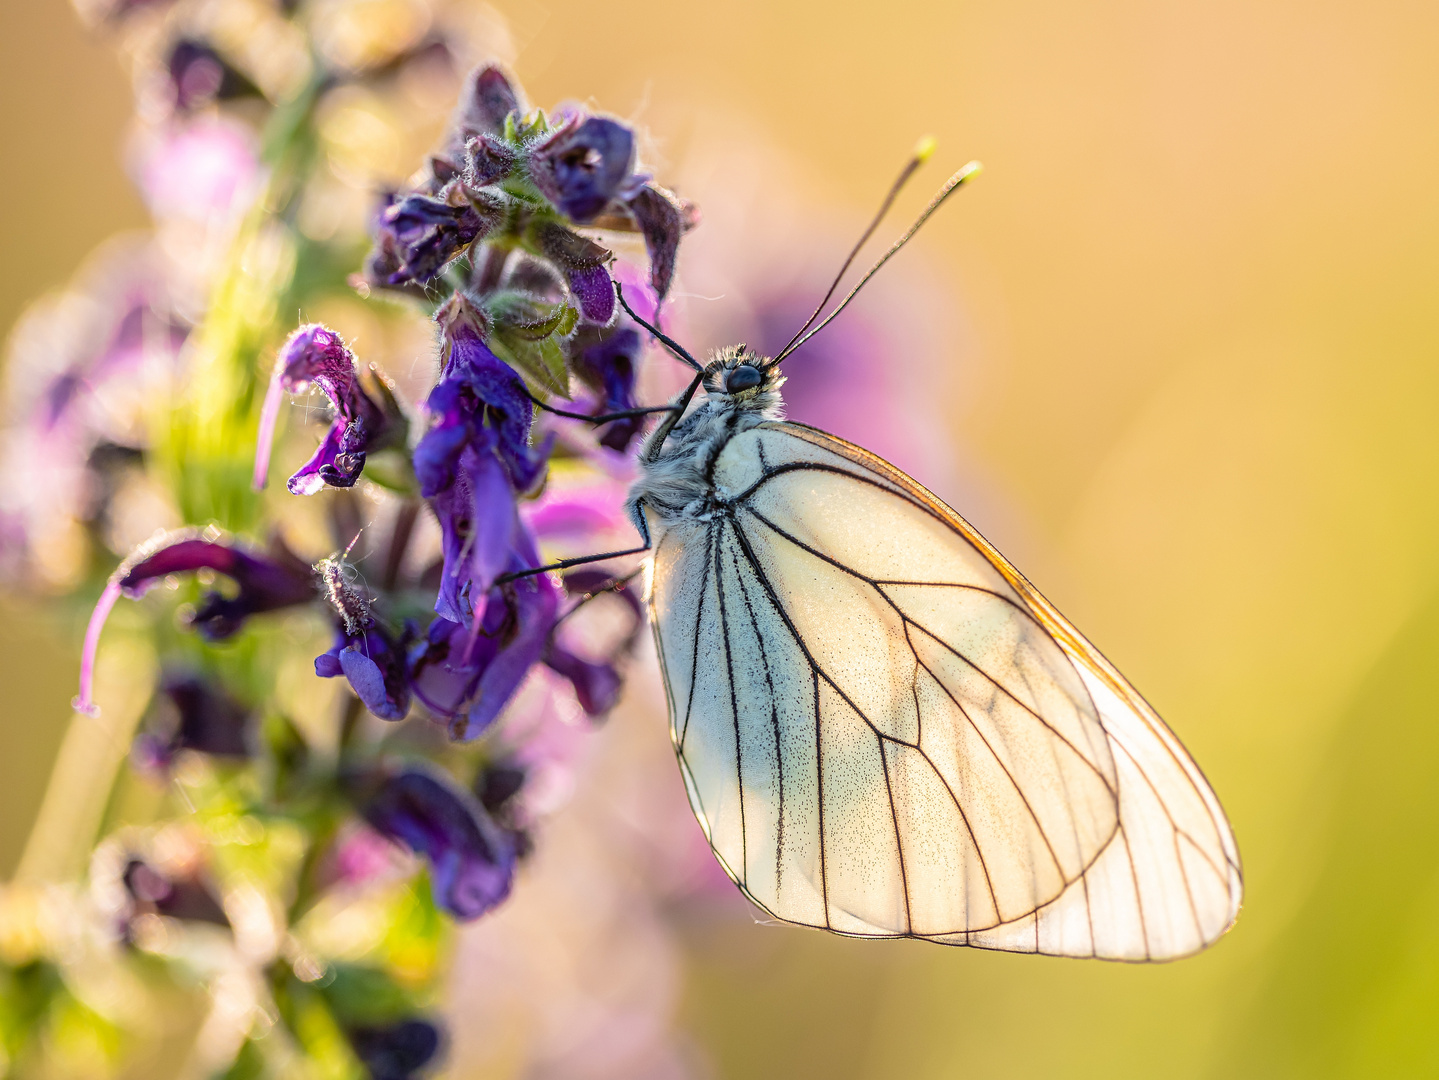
point(359, 995)
point(540, 362)
point(249, 1064)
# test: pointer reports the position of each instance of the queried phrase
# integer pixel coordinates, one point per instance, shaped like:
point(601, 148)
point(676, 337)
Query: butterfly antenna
point(668, 342)
point(921, 154)
point(950, 187)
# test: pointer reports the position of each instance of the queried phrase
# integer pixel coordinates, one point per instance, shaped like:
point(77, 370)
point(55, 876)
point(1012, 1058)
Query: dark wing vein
point(819, 788)
point(1008, 775)
point(818, 674)
point(695, 638)
point(734, 712)
point(1174, 830)
point(1138, 896)
point(898, 839)
point(774, 723)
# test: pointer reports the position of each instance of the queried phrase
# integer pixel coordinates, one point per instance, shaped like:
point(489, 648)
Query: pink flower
point(202, 170)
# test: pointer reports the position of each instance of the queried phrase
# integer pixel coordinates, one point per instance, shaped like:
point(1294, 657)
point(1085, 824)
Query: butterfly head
point(739, 373)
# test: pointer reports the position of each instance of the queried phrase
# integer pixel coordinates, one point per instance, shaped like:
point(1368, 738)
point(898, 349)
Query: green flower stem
point(206, 434)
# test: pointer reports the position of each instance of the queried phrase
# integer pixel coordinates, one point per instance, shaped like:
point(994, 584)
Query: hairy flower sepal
point(422, 234)
point(367, 418)
point(472, 860)
point(528, 334)
point(263, 582)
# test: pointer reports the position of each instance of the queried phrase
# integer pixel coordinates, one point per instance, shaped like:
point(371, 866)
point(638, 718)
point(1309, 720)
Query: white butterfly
point(884, 729)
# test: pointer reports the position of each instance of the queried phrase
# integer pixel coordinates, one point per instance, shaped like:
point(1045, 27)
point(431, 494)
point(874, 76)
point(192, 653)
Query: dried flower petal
point(663, 218)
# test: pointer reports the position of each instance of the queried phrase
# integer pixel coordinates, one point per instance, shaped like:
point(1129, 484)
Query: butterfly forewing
point(885, 731)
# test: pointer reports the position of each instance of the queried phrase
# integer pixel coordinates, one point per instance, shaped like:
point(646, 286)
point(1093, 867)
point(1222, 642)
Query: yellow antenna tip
point(925, 148)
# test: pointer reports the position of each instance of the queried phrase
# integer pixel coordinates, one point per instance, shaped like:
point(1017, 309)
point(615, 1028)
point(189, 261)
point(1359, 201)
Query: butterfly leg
point(602, 418)
point(564, 564)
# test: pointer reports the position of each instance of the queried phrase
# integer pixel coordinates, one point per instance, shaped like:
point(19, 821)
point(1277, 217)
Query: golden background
point(1196, 307)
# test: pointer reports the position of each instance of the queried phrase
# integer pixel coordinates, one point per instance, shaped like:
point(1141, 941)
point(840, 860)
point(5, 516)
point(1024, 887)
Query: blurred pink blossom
point(201, 170)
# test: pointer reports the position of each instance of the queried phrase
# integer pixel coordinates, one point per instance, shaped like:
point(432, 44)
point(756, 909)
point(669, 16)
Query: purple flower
point(608, 364)
point(472, 463)
point(154, 892)
point(395, 1051)
point(584, 264)
point(472, 860)
point(597, 683)
point(597, 686)
point(424, 233)
point(200, 75)
point(316, 354)
point(263, 583)
point(583, 165)
point(479, 531)
point(375, 665)
point(479, 402)
point(466, 671)
point(203, 717)
point(488, 99)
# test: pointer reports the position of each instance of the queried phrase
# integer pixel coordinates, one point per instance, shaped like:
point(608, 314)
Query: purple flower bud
point(584, 265)
point(264, 583)
point(395, 1051)
point(316, 354)
point(153, 892)
point(385, 260)
point(608, 364)
point(583, 165)
point(376, 668)
point(424, 233)
point(202, 717)
point(487, 161)
point(200, 75)
point(663, 219)
point(489, 97)
point(595, 292)
point(472, 860)
point(597, 686)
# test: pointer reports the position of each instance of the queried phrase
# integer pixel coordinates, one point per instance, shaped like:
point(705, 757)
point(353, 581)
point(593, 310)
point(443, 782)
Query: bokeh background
point(1177, 352)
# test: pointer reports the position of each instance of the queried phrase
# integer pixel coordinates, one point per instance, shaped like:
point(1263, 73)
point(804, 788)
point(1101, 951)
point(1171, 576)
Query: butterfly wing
point(885, 731)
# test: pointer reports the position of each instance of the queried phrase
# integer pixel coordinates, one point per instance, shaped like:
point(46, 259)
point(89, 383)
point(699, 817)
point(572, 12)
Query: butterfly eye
point(743, 377)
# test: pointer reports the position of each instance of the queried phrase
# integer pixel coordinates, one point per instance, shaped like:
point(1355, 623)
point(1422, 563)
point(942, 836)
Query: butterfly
point(884, 730)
